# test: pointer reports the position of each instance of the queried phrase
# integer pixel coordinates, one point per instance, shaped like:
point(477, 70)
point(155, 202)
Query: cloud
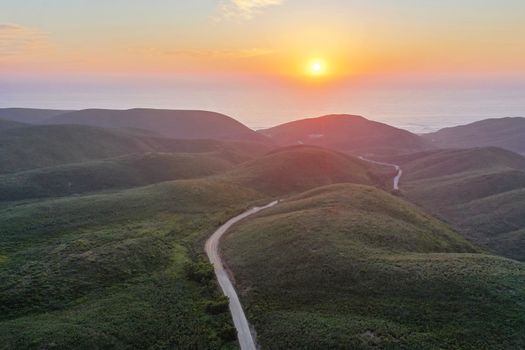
point(234, 53)
point(243, 9)
point(19, 40)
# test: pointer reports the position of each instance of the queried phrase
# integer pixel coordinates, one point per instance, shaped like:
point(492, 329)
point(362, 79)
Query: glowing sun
point(317, 67)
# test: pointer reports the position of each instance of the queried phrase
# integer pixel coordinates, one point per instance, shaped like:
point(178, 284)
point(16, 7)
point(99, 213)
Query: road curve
point(397, 167)
point(212, 250)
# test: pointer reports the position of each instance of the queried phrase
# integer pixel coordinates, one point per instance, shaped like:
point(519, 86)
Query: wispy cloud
point(243, 9)
point(234, 53)
point(18, 40)
point(203, 53)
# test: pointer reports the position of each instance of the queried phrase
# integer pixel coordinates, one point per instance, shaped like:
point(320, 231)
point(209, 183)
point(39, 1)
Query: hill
point(479, 191)
point(51, 145)
point(508, 133)
point(352, 265)
point(347, 133)
point(298, 168)
point(29, 115)
point(114, 173)
point(116, 270)
point(179, 124)
point(8, 124)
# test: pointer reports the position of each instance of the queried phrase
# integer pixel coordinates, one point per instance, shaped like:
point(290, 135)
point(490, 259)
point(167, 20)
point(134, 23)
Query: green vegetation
point(112, 270)
point(47, 146)
point(347, 133)
point(29, 115)
point(349, 266)
point(90, 259)
point(299, 168)
point(122, 172)
point(183, 124)
point(479, 191)
point(8, 124)
point(507, 133)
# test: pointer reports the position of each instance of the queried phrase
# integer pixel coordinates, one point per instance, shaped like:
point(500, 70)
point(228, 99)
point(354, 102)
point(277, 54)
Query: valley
point(380, 239)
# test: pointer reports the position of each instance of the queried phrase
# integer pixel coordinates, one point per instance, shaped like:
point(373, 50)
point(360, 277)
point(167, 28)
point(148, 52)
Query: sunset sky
point(165, 53)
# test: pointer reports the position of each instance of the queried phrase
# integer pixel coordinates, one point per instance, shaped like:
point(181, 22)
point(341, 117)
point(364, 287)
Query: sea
point(419, 109)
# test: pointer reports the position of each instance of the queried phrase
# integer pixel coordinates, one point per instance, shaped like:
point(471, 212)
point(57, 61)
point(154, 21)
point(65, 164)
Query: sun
point(317, 67)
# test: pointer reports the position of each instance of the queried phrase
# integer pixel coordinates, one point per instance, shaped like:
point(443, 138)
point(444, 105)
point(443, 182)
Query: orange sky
point(262, 37)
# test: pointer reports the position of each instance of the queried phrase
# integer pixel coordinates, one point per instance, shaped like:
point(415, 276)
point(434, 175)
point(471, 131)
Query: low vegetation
point(299, 168)
point(114, 173)
point(352, 267)
point(480, 191)
point(114, 270)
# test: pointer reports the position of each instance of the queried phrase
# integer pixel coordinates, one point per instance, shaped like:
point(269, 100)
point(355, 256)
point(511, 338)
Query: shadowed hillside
point(299, 168)
point(179, 124)
point(347, 133)
point(508, 133)
point(113, 173)
point(480, 191)
point(8, 124)
point(29, 115)
point(352, 265)
point(51, 145)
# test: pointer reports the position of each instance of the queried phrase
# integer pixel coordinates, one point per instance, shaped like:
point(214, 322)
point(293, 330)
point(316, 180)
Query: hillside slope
point(116, 270)
point(299, 168)
point(114, 173)
point(9, 124)
point(29, 115)
point(347, 133)
point(508, 133)
point(179, 124)
point(51, 145)
point(479, 191)
point(352, 265)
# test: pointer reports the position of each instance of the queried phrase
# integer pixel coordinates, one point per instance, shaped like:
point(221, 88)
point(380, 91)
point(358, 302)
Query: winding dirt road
point(397, 167)
point(244, 334)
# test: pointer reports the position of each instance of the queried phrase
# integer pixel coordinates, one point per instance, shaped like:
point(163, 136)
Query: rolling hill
point(116, 270)
point(480, 191)
point(347, 133)
point(178, 124)
point(29, 115)
point(113, 173)
point(298, 168)
point(508, 133)
point(8, 124)
point(51, 145)
point(352, 265)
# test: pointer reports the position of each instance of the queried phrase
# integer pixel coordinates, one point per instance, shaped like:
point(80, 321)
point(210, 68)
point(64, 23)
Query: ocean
point(417, 109)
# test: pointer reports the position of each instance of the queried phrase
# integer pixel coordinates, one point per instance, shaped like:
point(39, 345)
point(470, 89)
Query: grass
point(299, 168)
point(115, 173)
point(110, 270)
point(48, 146)
point(479, 191)
point(352, 267)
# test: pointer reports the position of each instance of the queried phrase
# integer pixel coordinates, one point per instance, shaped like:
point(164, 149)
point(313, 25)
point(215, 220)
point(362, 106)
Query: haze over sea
point(421, 107)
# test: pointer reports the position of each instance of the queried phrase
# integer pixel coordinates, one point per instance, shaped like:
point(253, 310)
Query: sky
point(394, 59)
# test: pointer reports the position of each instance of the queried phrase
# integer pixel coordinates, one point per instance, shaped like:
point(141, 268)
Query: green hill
point(52, 145)
point(178, 124)
point(8, 124)
point(349, 266)
point(449, 162)
point(299, 168)
point(479, 191)
point(29, 115)
point(347, 133)
point(114, 173)
point(116, 270)
point(507, 133)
